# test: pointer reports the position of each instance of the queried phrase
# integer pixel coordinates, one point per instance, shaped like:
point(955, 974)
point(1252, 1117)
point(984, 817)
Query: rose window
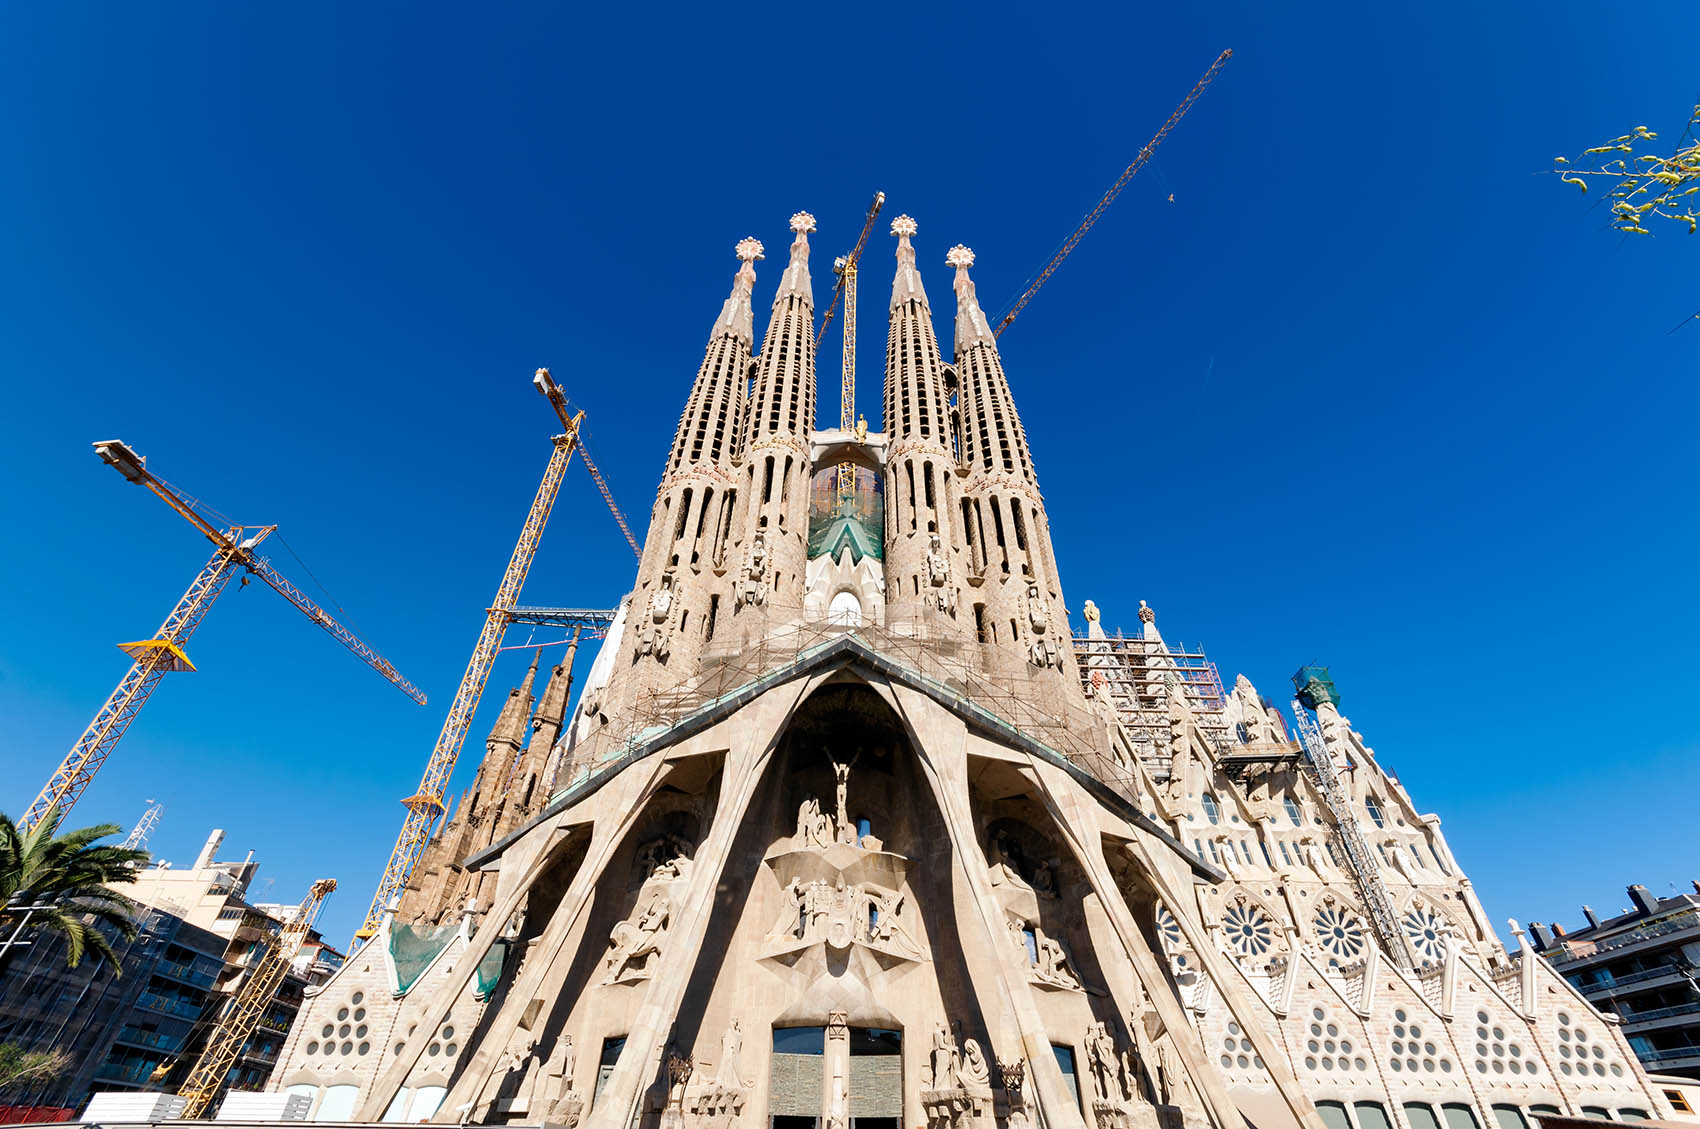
point(1339, 931)
point(1248, 929)
point(1428, 933)
point(1168, 928)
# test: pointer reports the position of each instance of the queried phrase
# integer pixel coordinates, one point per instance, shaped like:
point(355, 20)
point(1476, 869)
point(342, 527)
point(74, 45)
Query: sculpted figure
point(652, 640)
point(752, 587)
point(1102, 1061)
point(1052, 964)
point(790, 923)
point(976, 1070)
point(938, 569)
point(1002, 856)
point(632, 942)
point(1044, 884)
point(861, 429)
point(813, 825)
point(943, 1060)
point(731, 1050)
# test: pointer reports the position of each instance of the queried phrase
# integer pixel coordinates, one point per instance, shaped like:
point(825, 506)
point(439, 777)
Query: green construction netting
point(413, 950)
point(490, 968)
point(1315, 687)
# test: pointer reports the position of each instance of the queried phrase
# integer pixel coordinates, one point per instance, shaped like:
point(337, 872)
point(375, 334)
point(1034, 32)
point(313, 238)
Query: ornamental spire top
point(796, 277)
point(735, 317)
point(971, 325)
point(907, 285)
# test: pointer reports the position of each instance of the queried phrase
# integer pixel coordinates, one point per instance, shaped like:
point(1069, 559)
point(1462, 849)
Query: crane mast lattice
point(154, 658)
point(846, 268)
point(236, 1025)
point(427, 803)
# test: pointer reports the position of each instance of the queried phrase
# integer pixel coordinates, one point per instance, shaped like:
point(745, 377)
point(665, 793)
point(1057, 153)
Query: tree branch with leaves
point(1644, 185)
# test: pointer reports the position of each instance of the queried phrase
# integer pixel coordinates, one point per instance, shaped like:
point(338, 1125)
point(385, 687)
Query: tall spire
point(907, 284)
point(796, 277)
point(711, 424)
point(783, 402)
point(993, 439)
point(971, 325)
point(735, 318)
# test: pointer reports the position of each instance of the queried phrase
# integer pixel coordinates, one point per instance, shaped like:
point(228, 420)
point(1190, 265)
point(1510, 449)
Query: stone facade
point(847, 826)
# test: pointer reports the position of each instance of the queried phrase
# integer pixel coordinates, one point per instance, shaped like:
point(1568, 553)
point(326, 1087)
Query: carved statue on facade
point(846, 829)
point(1013, 1075)
point(1003, 858)
point(752, 586)
point(665, 857)
point(814, 827)
point(942, 1063)
point(636, 939)
point(975, 1070)
point(731, 1051)
point(552, 1100)
point(941, 593)
point(657, 620)
point(1103, 1063)
point(1051, 964)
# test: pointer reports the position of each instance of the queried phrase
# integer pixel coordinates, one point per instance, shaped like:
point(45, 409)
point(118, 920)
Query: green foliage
point(1645, 185)
point(61, 884)
point(19, 1066)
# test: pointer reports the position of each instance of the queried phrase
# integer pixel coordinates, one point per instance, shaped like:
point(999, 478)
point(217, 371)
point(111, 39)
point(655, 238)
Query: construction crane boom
point(558, 400)
point(266, 971)
point(427, 802)
point(162, 654)
point(1115, 189)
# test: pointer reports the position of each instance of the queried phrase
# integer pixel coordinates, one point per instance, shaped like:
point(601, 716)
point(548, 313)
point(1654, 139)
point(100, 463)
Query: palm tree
point(61, 884)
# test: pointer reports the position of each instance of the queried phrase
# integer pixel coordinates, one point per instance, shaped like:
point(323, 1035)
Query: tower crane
point(265, 975)
point(845, 267)
point(427, 803)
point(1115, 190)
point(152, 659)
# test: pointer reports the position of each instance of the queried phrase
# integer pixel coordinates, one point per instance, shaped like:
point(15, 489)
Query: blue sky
point(1369, 391)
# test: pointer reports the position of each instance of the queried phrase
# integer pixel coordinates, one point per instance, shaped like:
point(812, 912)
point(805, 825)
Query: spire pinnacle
point(796, 278)
point(735, 317)
point(971, 325)
point(907, 284)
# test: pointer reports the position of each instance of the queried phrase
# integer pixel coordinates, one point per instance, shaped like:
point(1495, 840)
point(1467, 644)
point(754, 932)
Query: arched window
point(1374, 810)
point(845, 610)
point(1211, 811)
point(1293, 812)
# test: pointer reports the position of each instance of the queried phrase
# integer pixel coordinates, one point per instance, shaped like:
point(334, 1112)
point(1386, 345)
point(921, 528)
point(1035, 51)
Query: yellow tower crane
point(427, 803)
point(156, 657)
point(266, 970)
point(1115, 190)
point(845, 267)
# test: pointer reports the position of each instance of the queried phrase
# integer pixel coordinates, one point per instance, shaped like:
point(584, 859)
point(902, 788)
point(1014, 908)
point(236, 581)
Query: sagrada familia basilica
point(848, 829)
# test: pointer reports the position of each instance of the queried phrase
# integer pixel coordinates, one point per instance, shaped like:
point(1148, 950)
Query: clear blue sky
point(1369, 391)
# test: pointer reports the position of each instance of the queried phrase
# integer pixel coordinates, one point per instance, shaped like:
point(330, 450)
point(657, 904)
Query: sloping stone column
point(759, 728)
point(940, 741)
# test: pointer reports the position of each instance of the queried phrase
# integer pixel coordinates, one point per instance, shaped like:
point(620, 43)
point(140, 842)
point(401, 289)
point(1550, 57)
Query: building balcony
point(168, 1005)
point(131, 1074)
point(1661, 1017)
point(1647, 976)
point(152, 1040)
point(1672, 1056)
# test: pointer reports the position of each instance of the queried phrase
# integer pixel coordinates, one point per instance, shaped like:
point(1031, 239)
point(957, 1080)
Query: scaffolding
point(1137, 678)
point(1005, 690)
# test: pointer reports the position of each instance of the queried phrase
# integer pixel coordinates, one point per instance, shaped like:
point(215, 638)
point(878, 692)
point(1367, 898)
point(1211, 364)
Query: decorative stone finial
point(749, 249)
point(1090, 611)
point(959, 257)
point(903, 227)
point(802, 223)
point(1146, 615)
